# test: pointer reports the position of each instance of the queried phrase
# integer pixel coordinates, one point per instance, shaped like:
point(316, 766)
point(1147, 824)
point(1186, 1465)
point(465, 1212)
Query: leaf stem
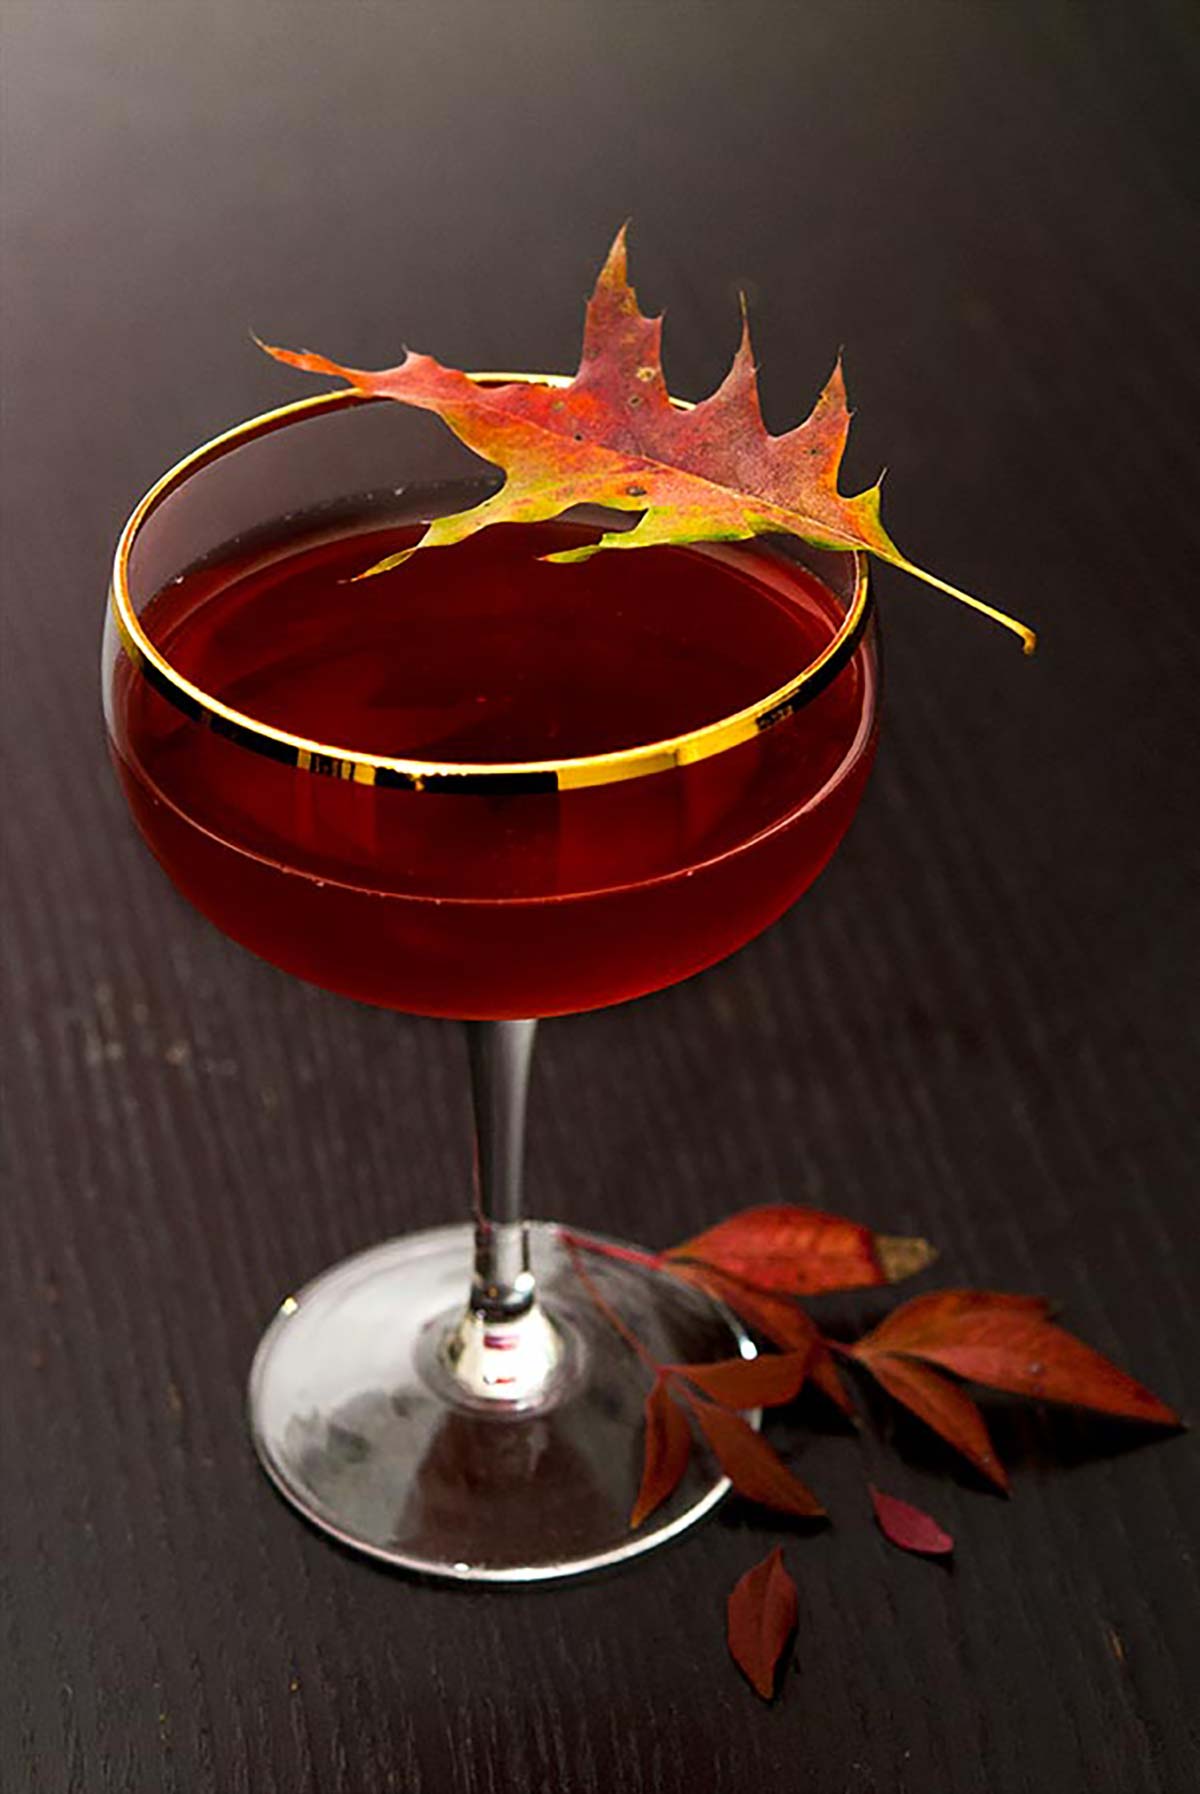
point(578, 1242)
point(574, 1247)
point(1027, 636)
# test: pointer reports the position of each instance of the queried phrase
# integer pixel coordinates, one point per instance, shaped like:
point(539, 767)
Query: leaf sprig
point(759, 1263)
point(612, 437)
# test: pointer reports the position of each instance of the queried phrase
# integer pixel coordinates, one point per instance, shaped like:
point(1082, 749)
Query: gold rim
point(425, 775)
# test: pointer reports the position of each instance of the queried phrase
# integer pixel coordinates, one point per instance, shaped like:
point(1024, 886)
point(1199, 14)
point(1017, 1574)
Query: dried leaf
point(776, 1317)
point(612, 437)
point(761, 1613)
point(902, 1255)
point(1007, 1343)
point(667, 1447)
point(801, 1250)
point(908, 1526)
point(752, 1466)
point(763, 1382)
point(941, 1404)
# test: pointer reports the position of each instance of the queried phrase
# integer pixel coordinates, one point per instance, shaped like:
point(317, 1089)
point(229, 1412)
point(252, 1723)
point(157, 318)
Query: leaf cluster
point(760, 1263)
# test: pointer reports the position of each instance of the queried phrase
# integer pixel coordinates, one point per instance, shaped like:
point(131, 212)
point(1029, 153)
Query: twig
point(575, 1248)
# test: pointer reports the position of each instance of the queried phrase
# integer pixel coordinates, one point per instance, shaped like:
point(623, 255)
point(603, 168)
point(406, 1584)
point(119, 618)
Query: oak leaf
point(612, 437)
point(760, 1619)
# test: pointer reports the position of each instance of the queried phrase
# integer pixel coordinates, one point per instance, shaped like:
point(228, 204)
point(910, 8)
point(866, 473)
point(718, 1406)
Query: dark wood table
point(976, 1028)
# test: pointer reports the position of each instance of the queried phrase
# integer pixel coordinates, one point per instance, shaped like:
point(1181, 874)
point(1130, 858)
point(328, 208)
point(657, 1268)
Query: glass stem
point(502, 1288)
point(505, 1349)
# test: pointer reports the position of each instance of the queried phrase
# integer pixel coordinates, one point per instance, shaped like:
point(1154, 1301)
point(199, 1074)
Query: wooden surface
point(976, 1028)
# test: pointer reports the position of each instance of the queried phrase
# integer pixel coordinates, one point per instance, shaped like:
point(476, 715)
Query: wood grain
point(980, 1027)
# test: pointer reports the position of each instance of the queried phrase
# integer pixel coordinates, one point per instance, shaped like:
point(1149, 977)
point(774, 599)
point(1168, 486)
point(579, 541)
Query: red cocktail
point(512, 902)
point(488, 787)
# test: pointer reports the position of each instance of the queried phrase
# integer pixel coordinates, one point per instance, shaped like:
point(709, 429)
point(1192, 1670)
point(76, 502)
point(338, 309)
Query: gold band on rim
point(429, 775)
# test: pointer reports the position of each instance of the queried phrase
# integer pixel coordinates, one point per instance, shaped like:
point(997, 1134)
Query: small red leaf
point(1007, 1343)
point(777, 1318)
point(908, 1526)
point(761, 1614)
point(788, 1248)
point(762, 1382)
point(668, 1444)
point(941, 1404)
point(752, 1466)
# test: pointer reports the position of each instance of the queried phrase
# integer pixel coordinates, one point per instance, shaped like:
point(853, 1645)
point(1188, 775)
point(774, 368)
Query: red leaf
point(762, 1382)
point(908, 1526)
point(668, 1444)
point(777, 1318)
point(761, 1614)
point(905, 1327)
point(754, 1469)
point(941, 1404)
point(1007, 1343)
point(789, 1248)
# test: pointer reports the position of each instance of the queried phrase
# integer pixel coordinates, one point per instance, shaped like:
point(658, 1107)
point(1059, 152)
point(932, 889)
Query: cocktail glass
point(455, 1401)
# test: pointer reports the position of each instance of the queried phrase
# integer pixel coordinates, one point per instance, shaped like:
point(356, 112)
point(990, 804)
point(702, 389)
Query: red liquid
point(509, 905)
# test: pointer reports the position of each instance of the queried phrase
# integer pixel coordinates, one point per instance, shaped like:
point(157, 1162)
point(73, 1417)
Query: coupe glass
point(455, 1400)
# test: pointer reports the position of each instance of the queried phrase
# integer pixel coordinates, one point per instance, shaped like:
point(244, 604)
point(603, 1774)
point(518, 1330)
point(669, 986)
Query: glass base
point(359, 1422)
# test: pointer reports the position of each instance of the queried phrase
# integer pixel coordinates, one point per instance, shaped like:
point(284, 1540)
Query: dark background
point(976, 1028)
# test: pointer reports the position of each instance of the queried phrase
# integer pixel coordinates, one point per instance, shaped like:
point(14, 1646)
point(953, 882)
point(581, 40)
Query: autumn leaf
point(940, 1403)
point(986, 1336)
point(776, 1317)
point(802, 1250)
point(1006, 1342)
point(942, 1306)
point(761, 1617)
point(668, 1444)
point(908, 1526)
point(763, 1382)
point(612, 437)
point(752, 1466)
